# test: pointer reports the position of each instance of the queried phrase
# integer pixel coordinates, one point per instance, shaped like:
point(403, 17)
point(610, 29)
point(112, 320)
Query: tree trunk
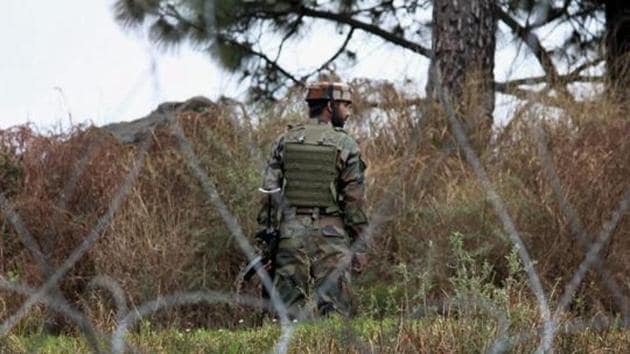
point(463, 46)
point(618, 47)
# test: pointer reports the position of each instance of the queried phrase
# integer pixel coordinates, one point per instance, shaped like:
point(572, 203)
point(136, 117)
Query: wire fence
point(48, 293)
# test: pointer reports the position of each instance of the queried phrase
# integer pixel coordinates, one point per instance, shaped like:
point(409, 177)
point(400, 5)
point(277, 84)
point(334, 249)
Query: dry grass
point(167, 237)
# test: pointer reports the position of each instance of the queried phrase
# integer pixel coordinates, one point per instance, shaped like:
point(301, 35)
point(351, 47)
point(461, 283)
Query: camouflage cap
point(328, 90)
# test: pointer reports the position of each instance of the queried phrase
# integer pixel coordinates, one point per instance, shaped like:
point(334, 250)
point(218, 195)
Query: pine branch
point(247, 48)
point(343, 18)
point(373, 29)
point(262, 56)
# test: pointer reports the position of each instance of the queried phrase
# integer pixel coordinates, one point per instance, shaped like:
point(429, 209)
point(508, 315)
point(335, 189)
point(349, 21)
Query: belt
point(318, 214)
point(310, 211)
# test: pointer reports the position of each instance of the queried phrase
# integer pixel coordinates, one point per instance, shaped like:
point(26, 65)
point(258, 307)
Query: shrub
point(430, 213)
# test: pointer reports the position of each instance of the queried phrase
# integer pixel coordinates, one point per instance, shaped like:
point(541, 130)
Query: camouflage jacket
point(350, 177)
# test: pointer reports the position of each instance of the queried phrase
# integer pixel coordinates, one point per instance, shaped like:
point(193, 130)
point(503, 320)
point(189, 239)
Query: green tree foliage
point(238, 33)
point(231, 31)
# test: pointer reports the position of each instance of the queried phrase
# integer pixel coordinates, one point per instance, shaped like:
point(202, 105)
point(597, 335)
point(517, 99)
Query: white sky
point(69, 56)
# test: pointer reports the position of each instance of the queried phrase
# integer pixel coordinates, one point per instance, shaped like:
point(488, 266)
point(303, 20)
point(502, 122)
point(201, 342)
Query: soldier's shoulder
point(348, 140)
point(292, 129)
point(299, 126)
point(339, 132)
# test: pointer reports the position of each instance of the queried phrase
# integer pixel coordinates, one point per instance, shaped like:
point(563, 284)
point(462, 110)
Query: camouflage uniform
point(316, 243)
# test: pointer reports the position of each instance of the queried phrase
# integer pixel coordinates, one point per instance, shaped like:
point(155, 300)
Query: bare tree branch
point(529, 95)
point(508, 85)
point(332, 58)
point(586, 65)
point(554, 14)
point(407, 102)
point(573, 76)
point(373, 29)
point(532, 41)
point(262, 56)
point(344, 18)
point(290, 33)
point(371, 8)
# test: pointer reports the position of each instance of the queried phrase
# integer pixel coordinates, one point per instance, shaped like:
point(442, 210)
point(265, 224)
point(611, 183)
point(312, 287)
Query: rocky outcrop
point(132, 132)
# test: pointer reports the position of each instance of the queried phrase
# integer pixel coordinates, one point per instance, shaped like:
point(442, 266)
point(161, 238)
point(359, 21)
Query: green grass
point(435, 334)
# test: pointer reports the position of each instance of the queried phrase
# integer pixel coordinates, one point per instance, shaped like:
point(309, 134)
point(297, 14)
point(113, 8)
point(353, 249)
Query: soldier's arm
point(272, 177)
point(352, 192)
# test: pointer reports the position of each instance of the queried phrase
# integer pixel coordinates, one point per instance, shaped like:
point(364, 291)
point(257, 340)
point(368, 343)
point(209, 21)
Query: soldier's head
point(329, 101)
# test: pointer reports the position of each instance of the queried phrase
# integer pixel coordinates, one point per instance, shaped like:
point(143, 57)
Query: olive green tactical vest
point(310, 167)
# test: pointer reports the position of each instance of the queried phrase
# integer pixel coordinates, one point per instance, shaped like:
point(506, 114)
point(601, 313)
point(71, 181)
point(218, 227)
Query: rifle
point(269, 238)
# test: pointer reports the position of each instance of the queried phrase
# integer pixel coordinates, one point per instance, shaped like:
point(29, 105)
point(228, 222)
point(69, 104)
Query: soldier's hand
point(359, 262)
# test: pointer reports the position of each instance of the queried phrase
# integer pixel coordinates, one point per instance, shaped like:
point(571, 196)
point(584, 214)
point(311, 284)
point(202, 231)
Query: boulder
point(132, 132)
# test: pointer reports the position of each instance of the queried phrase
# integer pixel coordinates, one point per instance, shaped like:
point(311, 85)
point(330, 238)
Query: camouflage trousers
point(313, 266)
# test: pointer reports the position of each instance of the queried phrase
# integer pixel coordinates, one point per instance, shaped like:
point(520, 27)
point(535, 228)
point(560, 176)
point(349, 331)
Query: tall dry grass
point(167, 237)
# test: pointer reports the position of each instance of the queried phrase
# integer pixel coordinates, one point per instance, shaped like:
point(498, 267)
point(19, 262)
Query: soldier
point(321, 215)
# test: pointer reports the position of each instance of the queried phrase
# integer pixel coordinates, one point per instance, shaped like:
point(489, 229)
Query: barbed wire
point(49, 294)
point(575, 223)
point(501, 211)
point(87, 243)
